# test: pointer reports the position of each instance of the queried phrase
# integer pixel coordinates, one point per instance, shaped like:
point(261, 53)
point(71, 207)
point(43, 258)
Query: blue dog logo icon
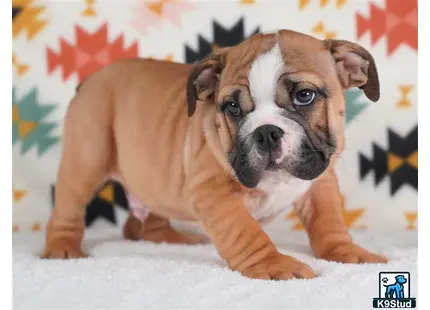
point(395, 290)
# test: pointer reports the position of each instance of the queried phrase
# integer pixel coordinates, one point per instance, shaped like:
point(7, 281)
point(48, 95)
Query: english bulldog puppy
point(228, 142)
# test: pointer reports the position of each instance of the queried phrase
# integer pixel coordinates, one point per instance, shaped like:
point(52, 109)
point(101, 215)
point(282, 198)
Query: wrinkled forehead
point(294, 52)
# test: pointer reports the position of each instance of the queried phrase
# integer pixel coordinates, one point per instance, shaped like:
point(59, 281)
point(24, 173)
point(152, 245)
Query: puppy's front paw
point(352, 254)
point(62, 250)
point(279, 267)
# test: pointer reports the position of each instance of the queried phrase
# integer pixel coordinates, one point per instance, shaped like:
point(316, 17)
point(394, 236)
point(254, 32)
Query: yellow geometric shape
point(412, 160)
point(28, 19)
point(107, 193)
point(293, 216)
point(25, 128)
point(411, 218)
point(18, 194)
point(303, 4)
point(394, 162)
point(340, 3)
point(350, 217)
point(15, 228)
point(169, 57)
point(20, 68)
point(323, 3)
point(156, 7)
point(15, 113)
point(320, 29)
point(89, 11)
point(330, 35)
point(35, 227)
point(404, 102)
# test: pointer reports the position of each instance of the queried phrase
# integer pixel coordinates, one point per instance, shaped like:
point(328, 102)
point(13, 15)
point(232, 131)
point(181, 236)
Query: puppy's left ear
point(356, 67)
point(204, 78)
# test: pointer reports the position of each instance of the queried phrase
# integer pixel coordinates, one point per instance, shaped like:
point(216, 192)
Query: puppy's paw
point(352, 254)
point(279, 267)
point(63, 250)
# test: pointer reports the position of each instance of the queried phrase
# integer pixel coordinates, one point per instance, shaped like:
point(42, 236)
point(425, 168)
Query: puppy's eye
point(304, 97)
point(232, 108)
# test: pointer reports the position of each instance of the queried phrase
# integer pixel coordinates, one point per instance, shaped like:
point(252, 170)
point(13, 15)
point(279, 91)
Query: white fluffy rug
point(140, 275)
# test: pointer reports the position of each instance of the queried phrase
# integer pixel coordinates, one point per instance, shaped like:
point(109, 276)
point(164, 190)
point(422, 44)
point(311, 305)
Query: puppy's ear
point(204, 78)
point(356, 67)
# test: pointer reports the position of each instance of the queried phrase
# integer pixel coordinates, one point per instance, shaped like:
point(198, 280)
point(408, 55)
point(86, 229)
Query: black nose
point(267, 137)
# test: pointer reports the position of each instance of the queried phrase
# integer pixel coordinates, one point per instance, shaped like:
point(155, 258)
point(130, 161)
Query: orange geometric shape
point(15, 113)
point(298, 223)
point(18, 194)
point(404, 102)
point(303, 4)
point(25, 128)
point(247, 1)
point(20, 68)
point(89, 10)
point(412, 160)
point(321, 29)
point(107, 193)
point(411, 219)
point(156, 7)
point(350, 217)
point(28, 19)
point(35, 227)
point(394, 162)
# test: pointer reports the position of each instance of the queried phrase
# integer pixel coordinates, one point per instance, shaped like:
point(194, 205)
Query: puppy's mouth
point(250, 167)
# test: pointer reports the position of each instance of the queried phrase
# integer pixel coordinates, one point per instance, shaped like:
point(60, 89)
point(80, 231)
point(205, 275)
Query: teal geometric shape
point(353, 106)
point(30, 109)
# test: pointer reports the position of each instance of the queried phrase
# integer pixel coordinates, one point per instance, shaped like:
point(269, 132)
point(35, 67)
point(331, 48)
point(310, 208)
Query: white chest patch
point(281, 190)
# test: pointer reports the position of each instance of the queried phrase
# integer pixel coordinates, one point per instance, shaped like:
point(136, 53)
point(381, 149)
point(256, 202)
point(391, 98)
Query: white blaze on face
point(263, 78)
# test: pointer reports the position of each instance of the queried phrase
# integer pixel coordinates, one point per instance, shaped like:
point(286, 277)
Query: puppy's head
point(281, 98)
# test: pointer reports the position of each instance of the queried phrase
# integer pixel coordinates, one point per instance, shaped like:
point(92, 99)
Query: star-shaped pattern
point(103, 205)
point(350, 217)
point(153, 13)
point(354, 106)
point(29, 125)
point(398, 22)
point(223, 37)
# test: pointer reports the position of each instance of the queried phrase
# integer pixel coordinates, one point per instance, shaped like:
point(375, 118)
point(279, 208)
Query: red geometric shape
point(398, 22)
point(375, 24)
point(91, 52)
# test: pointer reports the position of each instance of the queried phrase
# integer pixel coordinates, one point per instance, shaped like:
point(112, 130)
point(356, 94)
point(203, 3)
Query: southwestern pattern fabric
point(56, 44)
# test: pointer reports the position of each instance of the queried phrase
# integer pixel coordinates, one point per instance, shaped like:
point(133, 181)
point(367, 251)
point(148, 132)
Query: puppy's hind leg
point(86, 159)
point(142, 224)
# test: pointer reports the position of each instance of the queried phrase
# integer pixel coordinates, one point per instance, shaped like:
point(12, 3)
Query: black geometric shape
point(99, 207)
point(377, 164)
point(16, 10)
point(223, 37)
point(401, 147)
point(404, 175)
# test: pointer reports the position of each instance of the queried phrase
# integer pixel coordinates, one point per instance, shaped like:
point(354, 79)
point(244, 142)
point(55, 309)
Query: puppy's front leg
point(321, 212)
point(239, 239)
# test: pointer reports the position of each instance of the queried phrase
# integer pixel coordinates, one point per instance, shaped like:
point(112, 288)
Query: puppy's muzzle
point(267, 138)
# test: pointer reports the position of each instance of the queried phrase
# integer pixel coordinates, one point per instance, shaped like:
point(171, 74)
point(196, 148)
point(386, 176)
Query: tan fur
point(129, 121)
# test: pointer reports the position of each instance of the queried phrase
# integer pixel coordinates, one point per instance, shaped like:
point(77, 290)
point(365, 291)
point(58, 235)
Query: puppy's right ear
point(204, 78)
